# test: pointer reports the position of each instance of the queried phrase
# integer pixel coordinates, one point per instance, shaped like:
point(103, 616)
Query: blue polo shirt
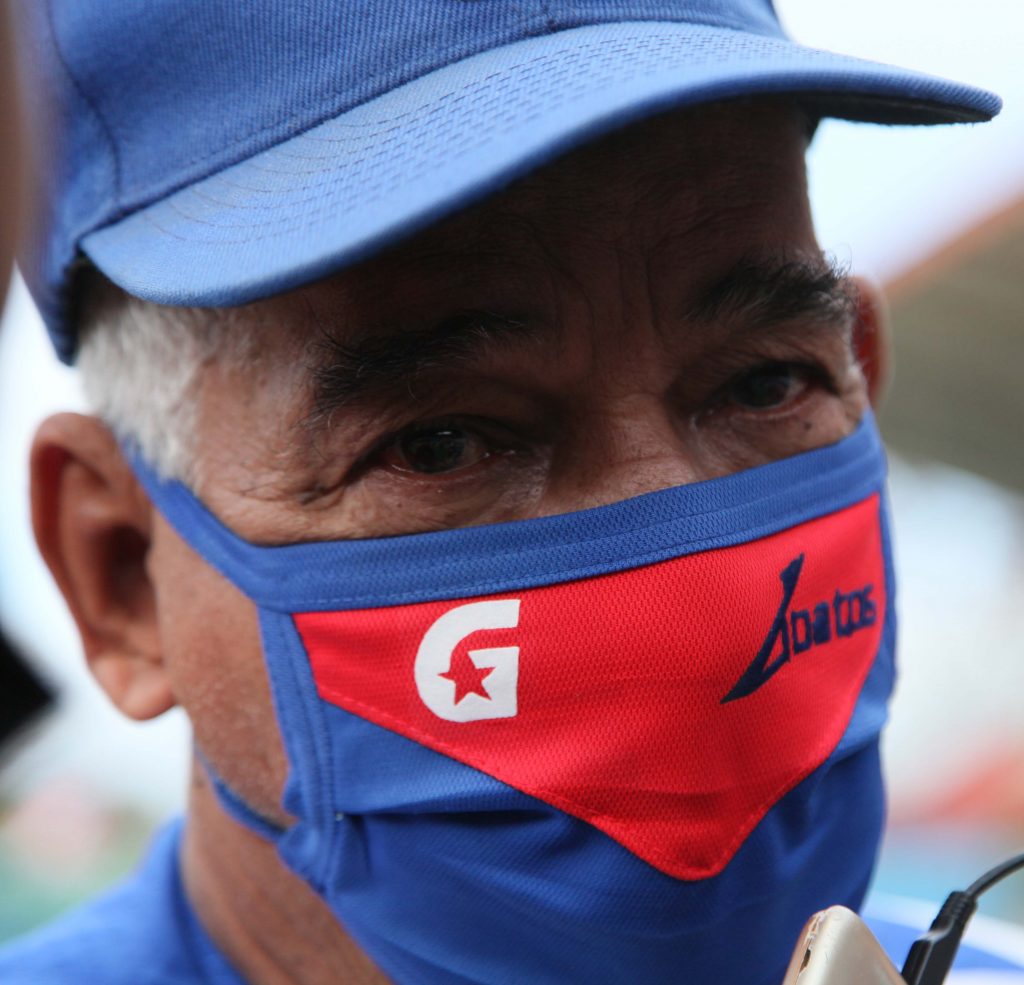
point(144, 932)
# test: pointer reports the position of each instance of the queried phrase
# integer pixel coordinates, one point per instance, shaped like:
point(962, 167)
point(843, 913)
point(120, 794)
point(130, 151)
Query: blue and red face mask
point(637, 743)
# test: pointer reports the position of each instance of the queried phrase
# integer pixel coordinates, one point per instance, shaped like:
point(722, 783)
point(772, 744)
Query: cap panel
point(190, 87)
point(337, 193)
point(416, 109)
point(149, 70)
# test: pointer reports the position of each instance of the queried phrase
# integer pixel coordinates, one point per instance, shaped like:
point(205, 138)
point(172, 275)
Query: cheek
point(211, 644)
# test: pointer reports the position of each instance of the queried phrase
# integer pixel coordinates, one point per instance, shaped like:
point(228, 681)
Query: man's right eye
point(435, 450)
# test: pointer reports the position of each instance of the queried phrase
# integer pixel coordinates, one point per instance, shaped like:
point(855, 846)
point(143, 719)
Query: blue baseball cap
point(211, 152)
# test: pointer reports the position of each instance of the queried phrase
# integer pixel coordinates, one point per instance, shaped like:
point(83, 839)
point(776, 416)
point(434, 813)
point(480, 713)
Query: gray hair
point(140, 364)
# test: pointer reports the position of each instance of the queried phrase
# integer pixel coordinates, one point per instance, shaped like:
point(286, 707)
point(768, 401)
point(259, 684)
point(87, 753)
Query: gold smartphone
point(836, 948)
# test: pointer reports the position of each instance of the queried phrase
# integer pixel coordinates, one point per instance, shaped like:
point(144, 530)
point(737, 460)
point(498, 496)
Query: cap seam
point(104, 125)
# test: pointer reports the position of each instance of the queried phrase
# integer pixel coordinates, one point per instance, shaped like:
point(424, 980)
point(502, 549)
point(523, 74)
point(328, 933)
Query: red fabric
point(619, 717)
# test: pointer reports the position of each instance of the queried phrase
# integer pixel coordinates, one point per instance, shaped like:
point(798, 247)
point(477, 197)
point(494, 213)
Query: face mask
point(637, 743)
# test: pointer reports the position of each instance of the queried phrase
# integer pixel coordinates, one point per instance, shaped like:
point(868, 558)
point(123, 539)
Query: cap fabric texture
point(213, 152)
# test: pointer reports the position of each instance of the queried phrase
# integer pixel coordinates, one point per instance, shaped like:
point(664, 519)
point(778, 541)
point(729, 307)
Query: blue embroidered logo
point(801, 629)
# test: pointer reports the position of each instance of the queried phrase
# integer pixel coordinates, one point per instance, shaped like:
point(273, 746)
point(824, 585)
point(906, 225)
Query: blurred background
point(935, 215)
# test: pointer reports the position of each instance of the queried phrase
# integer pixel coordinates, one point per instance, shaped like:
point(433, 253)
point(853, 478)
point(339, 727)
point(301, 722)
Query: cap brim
point(345, 189)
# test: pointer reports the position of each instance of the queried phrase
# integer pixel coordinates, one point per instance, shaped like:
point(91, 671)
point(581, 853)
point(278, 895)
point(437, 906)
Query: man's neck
point(269, 924)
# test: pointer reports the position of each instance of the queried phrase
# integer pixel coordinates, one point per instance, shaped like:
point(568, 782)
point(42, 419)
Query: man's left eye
point(769, 386)
point(435, 450)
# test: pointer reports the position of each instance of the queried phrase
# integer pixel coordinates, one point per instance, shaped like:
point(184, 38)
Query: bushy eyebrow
point(381, 362)
point(756, 292)
point(762, 291)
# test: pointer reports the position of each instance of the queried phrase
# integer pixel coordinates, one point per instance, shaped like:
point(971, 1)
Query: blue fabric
point(215, 152)
point(505, 557)
point(444, 874)
point(143, 932)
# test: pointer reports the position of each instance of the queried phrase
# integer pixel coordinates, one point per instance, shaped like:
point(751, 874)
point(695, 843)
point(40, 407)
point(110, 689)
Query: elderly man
point(482, 457)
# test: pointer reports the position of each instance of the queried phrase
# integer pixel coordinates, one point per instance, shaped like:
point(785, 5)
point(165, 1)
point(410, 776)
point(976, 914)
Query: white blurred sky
point(884, 199)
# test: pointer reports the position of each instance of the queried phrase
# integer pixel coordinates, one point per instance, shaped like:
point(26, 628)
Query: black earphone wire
point(931, 956)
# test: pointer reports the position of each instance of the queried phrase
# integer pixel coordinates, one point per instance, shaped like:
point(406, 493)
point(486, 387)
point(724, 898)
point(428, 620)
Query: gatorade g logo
point(469, 686)
point(801, 629)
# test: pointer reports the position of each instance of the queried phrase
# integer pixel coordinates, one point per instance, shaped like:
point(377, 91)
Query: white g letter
point(434, 658)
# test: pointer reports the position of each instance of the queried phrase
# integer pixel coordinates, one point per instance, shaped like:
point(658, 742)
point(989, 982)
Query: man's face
point(647, 312)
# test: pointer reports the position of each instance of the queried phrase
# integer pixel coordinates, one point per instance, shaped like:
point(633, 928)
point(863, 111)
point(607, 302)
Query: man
point(483, 459)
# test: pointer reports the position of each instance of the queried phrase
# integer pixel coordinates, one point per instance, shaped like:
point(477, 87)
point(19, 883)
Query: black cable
point(994, 875)
point(932, 955)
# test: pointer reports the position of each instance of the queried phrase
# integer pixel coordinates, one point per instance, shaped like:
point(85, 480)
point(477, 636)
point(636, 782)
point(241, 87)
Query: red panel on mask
point(670, 706)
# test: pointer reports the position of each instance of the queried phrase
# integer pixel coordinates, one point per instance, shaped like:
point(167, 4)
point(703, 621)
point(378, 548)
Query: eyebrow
point(759, 291)
point(756, 292)
point(381, 362)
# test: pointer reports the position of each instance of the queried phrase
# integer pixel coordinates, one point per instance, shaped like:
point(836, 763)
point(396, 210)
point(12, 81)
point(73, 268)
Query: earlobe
point(92, 525)
point(871, 339)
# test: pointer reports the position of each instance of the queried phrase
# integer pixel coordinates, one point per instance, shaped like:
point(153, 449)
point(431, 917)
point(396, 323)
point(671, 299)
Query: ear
point(92, 523)
point(871, 342)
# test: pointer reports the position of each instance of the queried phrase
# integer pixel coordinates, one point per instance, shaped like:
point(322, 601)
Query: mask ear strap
point(236, 806)
point(247, 566)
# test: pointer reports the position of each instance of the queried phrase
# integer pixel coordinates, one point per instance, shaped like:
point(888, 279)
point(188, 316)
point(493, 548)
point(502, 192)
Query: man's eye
point(434, 450)
point(769, 386)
